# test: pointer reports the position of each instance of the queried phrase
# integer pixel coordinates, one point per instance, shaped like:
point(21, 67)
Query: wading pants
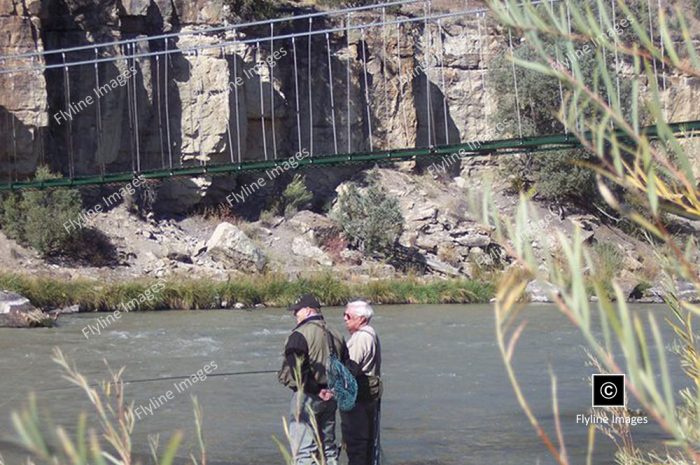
point(358, 432)
point(302, 435)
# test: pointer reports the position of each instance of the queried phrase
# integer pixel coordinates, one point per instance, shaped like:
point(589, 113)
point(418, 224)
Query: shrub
point(36, 218)
point(370, 219)
point(559, 176)
point(295, 196)
point(555, 175)
point(252, 9)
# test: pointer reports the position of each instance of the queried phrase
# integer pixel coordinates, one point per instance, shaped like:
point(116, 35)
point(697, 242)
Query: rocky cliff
point(186, 109)
point(239, 101)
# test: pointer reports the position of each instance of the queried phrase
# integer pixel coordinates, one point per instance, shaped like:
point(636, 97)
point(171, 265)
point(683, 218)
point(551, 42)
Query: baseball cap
point(306, 300)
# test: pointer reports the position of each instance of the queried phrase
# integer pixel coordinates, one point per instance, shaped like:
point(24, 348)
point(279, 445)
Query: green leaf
point(171, 449)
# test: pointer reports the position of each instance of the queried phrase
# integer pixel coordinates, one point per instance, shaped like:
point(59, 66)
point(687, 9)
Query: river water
point(447, 398)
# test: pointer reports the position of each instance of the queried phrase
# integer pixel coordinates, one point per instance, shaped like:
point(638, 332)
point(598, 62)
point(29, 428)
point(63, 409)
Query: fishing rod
point(165, 378)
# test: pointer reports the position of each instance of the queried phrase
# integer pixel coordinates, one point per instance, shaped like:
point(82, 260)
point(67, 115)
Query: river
point(447, 398)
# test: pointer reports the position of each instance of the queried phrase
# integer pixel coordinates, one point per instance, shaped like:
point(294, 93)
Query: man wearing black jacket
point(309, 348)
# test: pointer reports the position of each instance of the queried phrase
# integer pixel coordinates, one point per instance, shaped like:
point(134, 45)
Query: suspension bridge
point(362, 84)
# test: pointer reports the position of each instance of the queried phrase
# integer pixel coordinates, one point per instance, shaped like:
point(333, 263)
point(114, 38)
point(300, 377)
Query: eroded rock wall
point(238, 102)
point(23, 103)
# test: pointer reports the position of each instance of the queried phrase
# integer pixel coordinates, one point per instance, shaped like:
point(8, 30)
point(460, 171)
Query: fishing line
point(165, 378)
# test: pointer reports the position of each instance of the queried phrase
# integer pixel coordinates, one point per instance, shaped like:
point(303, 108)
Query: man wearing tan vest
point(361, 424)
point(310, 346)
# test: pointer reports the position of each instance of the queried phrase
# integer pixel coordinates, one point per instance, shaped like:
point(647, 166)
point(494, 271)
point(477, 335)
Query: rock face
point(232, 247)
point(23, 102)
point(224, 103)
point(238, 102)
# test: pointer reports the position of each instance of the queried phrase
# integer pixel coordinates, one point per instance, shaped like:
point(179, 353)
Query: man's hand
point(326, 394)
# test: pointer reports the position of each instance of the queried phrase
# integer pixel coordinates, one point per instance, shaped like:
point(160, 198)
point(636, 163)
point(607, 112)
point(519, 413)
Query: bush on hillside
point(296, 196)
point(249, 10)
point(370, 219)
point(554, 175)
point(36, 218)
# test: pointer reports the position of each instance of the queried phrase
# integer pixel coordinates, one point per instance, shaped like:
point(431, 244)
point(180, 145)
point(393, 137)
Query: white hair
point(361, 308)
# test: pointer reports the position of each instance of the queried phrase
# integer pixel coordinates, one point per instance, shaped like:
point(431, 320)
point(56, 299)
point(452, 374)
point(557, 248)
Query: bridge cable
point(330, 86)
point(481, 54)
point(218, 29)
point(191, 156)
point(14, 145)
point(5, 138)
point(238, 116)
point(129, 108)
point(262, 103)
point(561, 92)
point(167, 99)
point(333, 30)
point(426, 56)
point(515, 81)
point(310, 94)
point(384, 72)
point(573, 57)
point(663, 64)
point(605, 55)
point(35, 133)
point(347, 79)
point(561, 88)
point(617, 60)
point(200, 103)
point(369, 114)
point(69, 127)
point(272, 65)
point(651, 36)
point(228, 117)
point(134, 91)
point(98, 117)
point(400, 90)
point(160, 113)
point(444, 86)
point(296, 93)
point(37, 124)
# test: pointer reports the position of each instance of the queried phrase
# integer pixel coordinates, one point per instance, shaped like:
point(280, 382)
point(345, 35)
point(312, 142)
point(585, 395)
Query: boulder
point(684, 291)
point(540, 291)
point(231, 247)
point(437, 265)
point(427, 242)
point(317, 228)
point(427, 213)
point(17, 312)
point(179, 256)
point(65, 310)
point(471, 237)
point(10, 301)
point(628, 283)
point(304, 248)
point(687, 291)
point(353, 257)
point(179, 195)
